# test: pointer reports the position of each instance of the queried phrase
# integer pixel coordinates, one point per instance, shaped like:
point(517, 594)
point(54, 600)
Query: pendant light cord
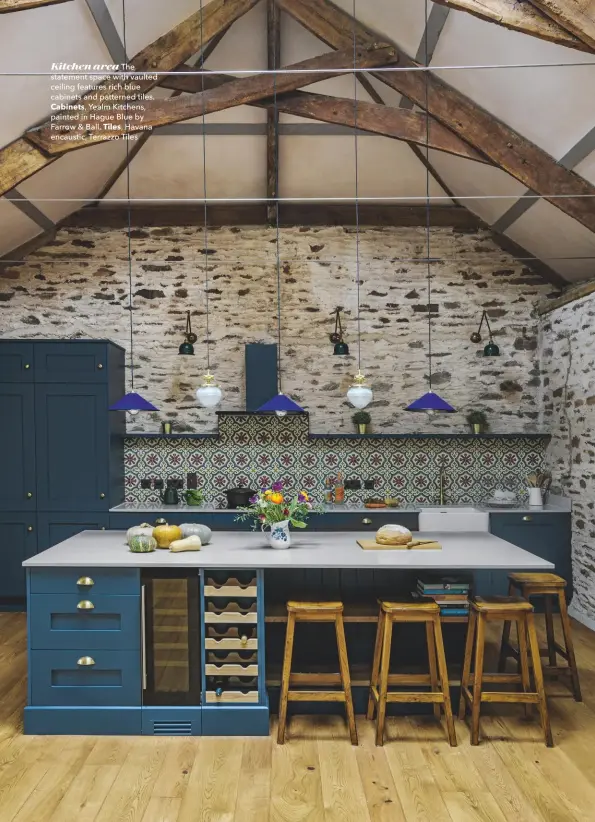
point(355, 116)
point(129, 210)
point(277, 221)
point(204, 177)
point(428, 215)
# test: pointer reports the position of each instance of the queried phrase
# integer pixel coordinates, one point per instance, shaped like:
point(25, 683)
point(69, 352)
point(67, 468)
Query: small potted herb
point(362, 419)
point(478, 422)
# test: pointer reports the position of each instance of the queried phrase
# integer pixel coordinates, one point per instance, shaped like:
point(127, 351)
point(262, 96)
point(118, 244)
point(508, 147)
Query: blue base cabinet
point(18, 543)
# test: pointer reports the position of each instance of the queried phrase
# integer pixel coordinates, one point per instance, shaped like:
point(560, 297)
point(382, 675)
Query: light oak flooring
point(316, 777)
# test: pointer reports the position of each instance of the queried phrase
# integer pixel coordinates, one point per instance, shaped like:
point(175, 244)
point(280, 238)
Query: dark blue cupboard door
point(16, 361)
point(18, 543)
point(54, 528)
point(17, 447)
point(71, 362)
point(72, 447)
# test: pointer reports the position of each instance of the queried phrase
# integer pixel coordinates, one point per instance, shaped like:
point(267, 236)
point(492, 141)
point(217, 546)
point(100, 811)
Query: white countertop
point(316, 549)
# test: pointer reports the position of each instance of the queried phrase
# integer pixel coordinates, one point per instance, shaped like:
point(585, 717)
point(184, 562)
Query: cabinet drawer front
point(68, 363)
point(370, 520)
point(56, 621)
point(88, 582)
point(57, 678)
point(527, 519)
point(16, 361)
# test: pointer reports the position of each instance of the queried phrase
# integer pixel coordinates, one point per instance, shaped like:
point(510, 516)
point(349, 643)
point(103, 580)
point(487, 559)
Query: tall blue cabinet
point(62, 449)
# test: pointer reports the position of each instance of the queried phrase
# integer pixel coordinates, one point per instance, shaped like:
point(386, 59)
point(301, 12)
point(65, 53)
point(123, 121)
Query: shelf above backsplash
point(410, 436)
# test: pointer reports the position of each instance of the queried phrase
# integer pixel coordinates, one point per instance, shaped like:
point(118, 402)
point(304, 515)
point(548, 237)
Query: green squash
point(142, 544)
point(142, 530)
point(195, 529)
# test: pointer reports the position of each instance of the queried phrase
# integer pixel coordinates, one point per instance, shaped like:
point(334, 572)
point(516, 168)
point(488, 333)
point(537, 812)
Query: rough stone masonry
point(77, 286)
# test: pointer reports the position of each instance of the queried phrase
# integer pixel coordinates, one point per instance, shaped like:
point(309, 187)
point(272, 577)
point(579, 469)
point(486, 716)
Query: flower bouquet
point(271, 509)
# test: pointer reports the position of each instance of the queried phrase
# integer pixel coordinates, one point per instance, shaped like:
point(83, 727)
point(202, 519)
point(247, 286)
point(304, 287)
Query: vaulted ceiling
point(511, 135)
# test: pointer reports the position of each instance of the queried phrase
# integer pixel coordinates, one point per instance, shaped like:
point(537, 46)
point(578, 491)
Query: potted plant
point(270, 508)
point(478, 422)
point(362, 419)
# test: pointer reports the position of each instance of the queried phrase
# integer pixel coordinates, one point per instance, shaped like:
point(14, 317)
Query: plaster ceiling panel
point(468, 179)
point(16, 227)
point(244, 46)
point(324, 167)
point(587, 168)
point(143, 25)
point(27, 48)
point(74, 180)
point(402, 23)
point(549, 233)
point(171, 167)
point(548, 105)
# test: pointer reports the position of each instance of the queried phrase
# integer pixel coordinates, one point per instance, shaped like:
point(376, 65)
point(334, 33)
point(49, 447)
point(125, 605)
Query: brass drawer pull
point(366, 521)
point(85, 605)
point(244, 639)
point(85, 661)
point(87, 581)
point(527, 519)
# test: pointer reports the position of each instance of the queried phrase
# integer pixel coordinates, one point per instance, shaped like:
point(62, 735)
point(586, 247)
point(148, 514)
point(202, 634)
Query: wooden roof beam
point(507, 149)
point(21, 5)
point(21, 159)
point(577, 16)
point(241, 91)
point(519, 16)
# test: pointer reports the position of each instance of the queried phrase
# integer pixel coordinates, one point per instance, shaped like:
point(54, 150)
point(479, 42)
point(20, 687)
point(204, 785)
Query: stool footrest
point(316, 696)
point(505, 679)
point(509, 696)
point(315, 678)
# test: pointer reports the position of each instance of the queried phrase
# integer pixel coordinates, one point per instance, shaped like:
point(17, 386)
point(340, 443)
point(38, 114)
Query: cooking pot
point(238, 497)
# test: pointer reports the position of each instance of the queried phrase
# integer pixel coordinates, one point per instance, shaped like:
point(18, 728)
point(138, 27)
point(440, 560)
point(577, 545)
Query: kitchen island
point(174, 643)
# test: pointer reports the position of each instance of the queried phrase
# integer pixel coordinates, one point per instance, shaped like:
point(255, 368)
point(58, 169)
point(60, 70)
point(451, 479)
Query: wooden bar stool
point(315, 612)
point(507, 609)
point(550, 587)
point(437, 679)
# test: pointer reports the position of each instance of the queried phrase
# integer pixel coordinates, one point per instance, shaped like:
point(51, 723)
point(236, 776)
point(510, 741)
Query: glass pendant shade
point(491, 350)
point(209, 394)
point(431, 403)
point(133, 403)
point(280, 405)
point(360, 395)
point(341, 349)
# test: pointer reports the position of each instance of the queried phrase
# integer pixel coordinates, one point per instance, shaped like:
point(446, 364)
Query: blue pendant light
point(131, 402)
point(430, 402)
point(280, 404)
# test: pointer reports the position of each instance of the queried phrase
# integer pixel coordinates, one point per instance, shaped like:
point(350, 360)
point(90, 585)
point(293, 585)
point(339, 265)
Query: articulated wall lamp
point(490, 349)
point(187, 346)
point(341, 347)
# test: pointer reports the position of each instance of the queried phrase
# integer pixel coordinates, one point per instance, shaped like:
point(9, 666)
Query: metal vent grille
point(165, 727)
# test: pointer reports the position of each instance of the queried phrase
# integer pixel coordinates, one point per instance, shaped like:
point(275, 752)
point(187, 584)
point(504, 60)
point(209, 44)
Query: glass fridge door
point(171, 604)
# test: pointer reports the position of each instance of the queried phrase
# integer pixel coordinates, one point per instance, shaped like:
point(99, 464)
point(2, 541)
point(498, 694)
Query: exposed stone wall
point(78, 287)
point(568, 363)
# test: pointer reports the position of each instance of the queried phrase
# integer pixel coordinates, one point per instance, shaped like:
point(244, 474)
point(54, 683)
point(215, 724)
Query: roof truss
point(577, 16)
point(20, 5)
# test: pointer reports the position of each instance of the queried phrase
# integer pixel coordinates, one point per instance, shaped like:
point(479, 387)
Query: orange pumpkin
point(166, 534)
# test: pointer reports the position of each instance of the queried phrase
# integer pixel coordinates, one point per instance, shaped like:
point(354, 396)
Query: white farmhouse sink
point(453, 518)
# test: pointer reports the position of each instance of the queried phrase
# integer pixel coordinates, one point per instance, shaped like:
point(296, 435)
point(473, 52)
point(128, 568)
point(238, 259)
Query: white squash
point(142, 530)
point(192, 543)
point(190, 529)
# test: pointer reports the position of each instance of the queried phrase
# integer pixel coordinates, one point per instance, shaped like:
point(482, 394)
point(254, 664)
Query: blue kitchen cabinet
point(17, 446)
point(545, 534)
point(18, 543)
point(71, 362)
point(53, 528)
point(16, 361)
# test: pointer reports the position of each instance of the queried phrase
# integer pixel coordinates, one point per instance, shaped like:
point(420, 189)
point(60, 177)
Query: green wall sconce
point(490, 349)
point(187, 347)
point(341, 348)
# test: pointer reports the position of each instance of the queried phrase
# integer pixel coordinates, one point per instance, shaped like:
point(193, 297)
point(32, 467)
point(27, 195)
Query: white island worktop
point(310, 549)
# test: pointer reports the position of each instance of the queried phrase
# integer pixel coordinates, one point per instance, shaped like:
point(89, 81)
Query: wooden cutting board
point(415, 544)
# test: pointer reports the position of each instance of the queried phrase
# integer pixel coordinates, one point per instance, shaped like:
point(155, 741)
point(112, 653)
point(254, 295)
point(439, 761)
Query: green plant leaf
point(297, 523)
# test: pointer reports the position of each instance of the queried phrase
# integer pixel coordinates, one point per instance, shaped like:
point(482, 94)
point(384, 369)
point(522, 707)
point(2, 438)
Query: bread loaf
point(393, 535)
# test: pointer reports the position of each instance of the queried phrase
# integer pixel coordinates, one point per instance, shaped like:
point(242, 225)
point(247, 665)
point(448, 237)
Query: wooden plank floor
point(316, 777)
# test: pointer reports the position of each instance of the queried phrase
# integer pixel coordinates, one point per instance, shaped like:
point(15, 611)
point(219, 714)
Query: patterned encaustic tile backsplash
point(255, 451)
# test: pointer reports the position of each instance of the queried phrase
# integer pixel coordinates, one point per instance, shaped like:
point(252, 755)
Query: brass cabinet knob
point(29, 494)
point(85, 581)
point(527, 519)
point(85, 661)
point(100, 366)
point(85, 605)
point(102, 496)
point(103, 527)
point(244, 640)
point(366, 521)
point(30, 528)
point(27, 366)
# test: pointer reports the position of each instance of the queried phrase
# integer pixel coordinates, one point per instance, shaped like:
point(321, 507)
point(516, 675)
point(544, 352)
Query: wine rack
point(233, 669)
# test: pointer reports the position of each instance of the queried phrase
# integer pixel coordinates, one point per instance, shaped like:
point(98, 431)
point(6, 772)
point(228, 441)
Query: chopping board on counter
point(414, 545)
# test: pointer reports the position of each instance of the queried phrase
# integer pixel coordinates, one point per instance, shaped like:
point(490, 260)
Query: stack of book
point(451, 594)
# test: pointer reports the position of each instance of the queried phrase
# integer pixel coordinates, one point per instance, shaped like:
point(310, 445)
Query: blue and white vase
point(279, 536)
